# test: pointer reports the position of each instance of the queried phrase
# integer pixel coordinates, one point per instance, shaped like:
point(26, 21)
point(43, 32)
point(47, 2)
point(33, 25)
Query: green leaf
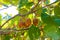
point(23, 11)
point(22, 3)
point(15, 20)
point(15, 2)
point(30, 16)
point(29, 4)
point(33, 32)
point(0, 19)
point(39, 10)
point(6, 2)
point(7, 37)
point(47, 19)
point(57, 20)
point(57, 10)
point(51, 31)
point(58, 32)
point(44, 10)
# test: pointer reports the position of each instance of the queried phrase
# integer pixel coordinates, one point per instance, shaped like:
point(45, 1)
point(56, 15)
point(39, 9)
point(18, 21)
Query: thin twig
point(12, 4)
point(6, 31)
point(50, 4)
point(9, 20)
point(26, 13)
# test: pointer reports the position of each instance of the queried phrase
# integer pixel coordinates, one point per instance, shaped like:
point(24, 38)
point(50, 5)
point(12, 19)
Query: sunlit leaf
point(14, 21)
point(23, 11)
point(0, 19)
point(30, 0)
point(0, 6)
point(30, 16)
point(51, 31)
point(6, 2)
point(14, 2)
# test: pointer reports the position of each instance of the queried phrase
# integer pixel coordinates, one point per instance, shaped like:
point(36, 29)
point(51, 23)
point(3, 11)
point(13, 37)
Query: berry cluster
point(28, 22)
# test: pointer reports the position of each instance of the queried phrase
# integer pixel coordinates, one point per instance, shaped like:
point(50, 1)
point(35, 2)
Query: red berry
point(28, 22)
point(35, 21)
point(21, 24)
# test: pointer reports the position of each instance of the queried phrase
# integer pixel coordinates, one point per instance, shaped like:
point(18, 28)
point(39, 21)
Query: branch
point(9, 20)
point(51, 4)
point(31, 11)
point(7, 31)
point(12, 30)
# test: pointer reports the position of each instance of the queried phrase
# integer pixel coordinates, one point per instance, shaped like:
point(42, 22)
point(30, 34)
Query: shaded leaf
point(51, 31)
point(57, 10)
point(23, 11)
point(33, 32)
point(7, 37)
point(47, 19)
point(22, 3)
point(57, 20)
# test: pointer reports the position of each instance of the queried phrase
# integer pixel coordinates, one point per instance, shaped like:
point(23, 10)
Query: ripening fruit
point(27, 22)
point(21, 24)
point(35, 21)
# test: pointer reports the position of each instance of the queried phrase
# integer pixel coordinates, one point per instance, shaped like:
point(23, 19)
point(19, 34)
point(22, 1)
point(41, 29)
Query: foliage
point(34, 32)
point(36, 19)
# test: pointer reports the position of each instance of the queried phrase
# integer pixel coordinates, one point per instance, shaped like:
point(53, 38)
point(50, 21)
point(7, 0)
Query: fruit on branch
point(24, 24)
point(35, 21)
point(27, 22)
point(21, 24)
